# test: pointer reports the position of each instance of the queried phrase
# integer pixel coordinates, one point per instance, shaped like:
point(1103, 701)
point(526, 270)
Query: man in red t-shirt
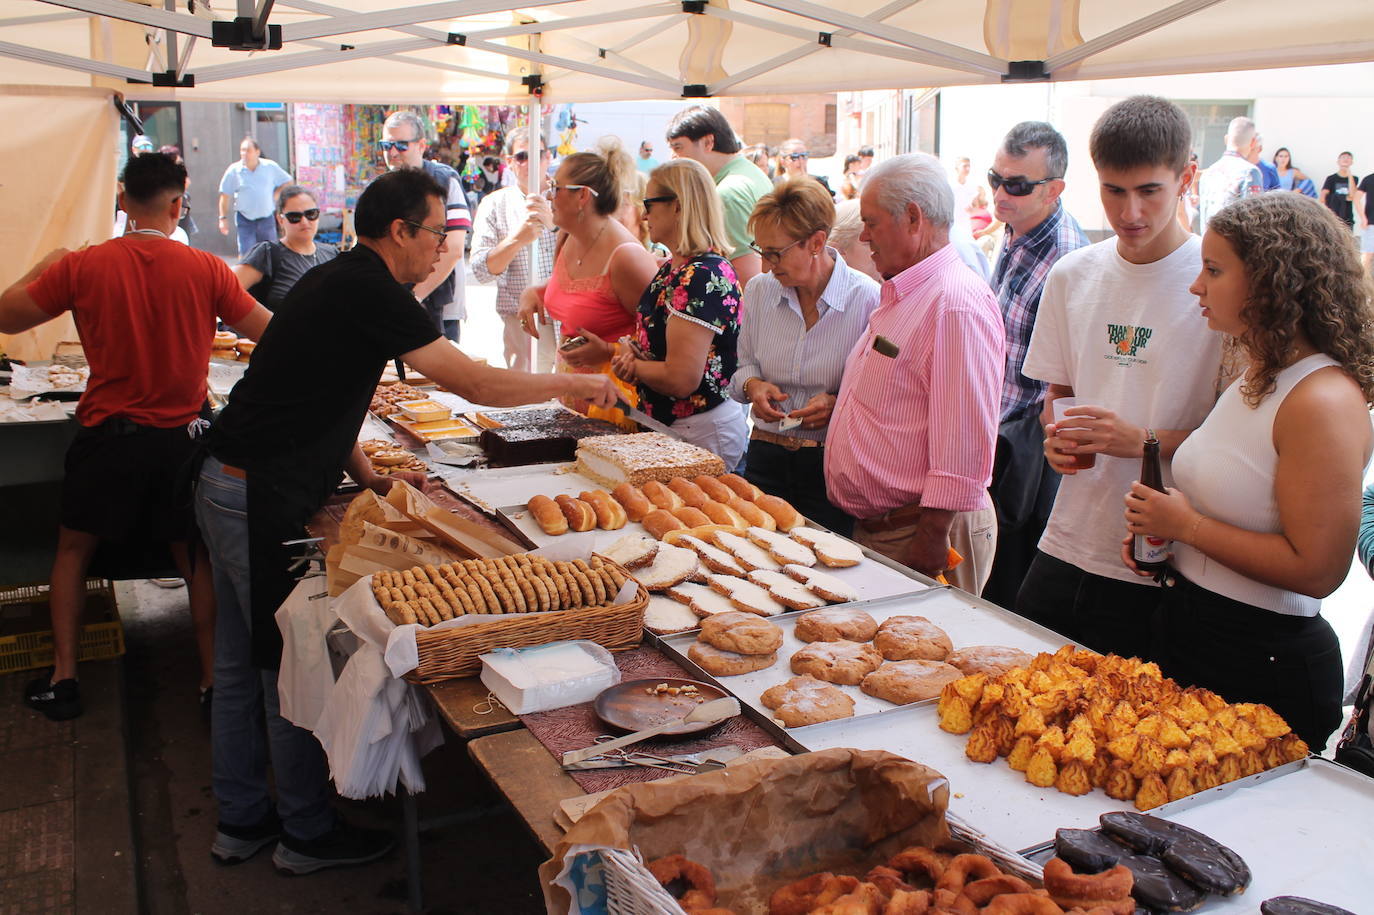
point(145, 307)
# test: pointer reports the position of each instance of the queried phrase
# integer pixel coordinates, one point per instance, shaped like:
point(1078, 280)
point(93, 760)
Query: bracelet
point(745, 387)
point(1192, 533)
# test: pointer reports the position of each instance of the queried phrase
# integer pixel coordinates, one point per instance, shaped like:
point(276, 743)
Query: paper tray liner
point(576, 726)
point(761, 825)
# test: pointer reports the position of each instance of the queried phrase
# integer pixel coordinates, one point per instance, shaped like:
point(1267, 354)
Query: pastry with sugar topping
point(643, 456)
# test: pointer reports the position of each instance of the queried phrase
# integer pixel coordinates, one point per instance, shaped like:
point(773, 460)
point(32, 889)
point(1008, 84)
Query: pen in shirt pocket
point(885, 347)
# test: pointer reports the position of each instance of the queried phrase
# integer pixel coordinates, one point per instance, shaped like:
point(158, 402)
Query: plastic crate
point(26, 626)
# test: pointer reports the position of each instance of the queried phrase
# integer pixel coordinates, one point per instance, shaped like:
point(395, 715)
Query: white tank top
point(1227, 468)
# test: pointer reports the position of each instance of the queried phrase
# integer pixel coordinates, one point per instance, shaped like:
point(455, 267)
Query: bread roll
point(723, 514)
point(632, 500)
point(692, 517)
point(741, 487)
point(715, 490)
point(753, 515)
point(784, 514)
point(548, 515)
point(580, 515)
point(660, 521)
point(609, 515)
point(662, 496)
point(690, 493)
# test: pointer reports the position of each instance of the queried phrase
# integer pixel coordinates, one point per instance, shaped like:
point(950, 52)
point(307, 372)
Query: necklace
point(587, 250)
point(157, 232)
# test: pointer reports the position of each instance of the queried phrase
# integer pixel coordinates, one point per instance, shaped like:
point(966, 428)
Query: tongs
point(686, 763)
point(715, 711)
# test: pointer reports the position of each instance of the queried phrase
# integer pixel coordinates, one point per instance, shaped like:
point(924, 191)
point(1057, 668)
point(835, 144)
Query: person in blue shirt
point(248, 195)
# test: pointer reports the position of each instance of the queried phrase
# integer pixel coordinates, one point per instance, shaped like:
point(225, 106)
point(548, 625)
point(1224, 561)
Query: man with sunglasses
point(1027, 181)
point(508, 223)
point(276, 453)
point(443, 292)
point(794, 158)
point(248, 190)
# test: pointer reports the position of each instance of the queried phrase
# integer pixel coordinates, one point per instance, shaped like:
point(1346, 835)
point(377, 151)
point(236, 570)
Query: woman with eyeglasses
point(271, 268)
point(687, 330)
point(599, 270)
point(802, 317)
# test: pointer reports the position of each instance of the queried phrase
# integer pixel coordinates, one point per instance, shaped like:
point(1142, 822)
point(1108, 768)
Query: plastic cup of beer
point(1064, 423)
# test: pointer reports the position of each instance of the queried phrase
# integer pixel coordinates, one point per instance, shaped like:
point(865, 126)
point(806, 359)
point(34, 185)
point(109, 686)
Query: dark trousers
point(799, 477)
point(1247, 654)
point(1104, 614)
point(1023, 489)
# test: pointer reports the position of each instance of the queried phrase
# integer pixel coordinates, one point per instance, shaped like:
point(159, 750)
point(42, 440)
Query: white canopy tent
point(492, 51)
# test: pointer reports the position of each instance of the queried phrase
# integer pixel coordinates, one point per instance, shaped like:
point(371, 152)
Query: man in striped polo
point(912, 436)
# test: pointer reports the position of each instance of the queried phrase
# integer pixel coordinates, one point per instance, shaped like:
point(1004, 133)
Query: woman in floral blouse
point(688, 322)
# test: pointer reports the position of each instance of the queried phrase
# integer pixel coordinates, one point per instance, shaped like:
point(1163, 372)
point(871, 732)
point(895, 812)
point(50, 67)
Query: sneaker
point(344, 846)
point(60, 701)
point(236, 844)
point(168, 582)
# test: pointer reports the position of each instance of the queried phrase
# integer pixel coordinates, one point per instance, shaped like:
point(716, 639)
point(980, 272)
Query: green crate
point(26, 626)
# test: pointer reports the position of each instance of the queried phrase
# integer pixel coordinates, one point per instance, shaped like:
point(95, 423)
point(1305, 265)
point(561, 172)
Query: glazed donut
point(1023, 904)
point(908, 902)
point(690, 493)
point(886, 879)
point(920, 860)
point(965, 868)
point(1086, 891)
point(981, 892)
point(700, 892)
point(800, 897)
point(946, 901)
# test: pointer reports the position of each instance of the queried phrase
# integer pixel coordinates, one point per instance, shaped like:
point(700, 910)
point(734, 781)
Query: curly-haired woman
point(1267, 508)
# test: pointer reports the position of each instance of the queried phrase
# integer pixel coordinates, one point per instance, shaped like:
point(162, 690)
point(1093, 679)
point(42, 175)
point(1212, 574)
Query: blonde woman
point(844, 238)
point(688, 322)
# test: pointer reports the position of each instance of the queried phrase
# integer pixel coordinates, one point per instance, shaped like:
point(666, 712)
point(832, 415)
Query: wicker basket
point(454, 652)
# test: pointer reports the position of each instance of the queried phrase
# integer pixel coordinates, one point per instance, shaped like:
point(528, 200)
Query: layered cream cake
point(644, 456)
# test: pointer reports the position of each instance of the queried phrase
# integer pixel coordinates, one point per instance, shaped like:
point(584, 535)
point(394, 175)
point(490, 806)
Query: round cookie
point(906, 638)
point(835, 624)
point(727, 663)
point(901, 682)
point(837, 662)
point(993, 660)
point(742, 633)
point(805, 700)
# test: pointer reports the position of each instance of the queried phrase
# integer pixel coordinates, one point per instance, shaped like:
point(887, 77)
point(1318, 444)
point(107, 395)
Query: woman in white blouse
point(801, 318)
point(1267, 508)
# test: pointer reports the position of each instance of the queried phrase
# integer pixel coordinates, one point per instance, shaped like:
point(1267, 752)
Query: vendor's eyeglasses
point(398, 145)
point(1016, 187)
point(296, 216)
point(552, 192)
point(648, 201)
point(774, 257)
point(442, 234)
point(796, 155)
point(523, 156)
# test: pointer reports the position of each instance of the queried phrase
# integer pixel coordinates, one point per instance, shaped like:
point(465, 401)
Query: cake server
point(644, 419)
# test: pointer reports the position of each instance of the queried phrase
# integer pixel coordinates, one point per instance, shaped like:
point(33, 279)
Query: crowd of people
point(844, 350)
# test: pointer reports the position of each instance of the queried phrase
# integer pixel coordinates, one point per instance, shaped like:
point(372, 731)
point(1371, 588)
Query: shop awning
point(492, 52)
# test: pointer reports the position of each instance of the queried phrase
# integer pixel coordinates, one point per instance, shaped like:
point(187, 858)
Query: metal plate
point(632, 707)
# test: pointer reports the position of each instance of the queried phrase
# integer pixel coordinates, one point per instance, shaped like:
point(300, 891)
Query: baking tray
point(966, 620)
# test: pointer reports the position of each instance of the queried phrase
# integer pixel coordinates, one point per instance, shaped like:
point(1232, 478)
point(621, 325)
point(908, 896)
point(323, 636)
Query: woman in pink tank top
point(599, 272)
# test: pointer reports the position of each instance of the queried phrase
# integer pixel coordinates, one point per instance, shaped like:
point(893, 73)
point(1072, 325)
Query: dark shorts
point(125, 483)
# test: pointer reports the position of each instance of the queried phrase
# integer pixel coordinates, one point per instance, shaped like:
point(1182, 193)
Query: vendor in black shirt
point(275, 455)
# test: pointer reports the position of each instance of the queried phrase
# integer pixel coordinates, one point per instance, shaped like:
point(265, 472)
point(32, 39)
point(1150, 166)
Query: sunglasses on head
point(1016, 187)
point(296, 216)
point(398, 145)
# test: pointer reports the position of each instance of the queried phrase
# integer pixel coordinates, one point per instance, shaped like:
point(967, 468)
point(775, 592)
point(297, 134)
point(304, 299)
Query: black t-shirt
point(1338, 196)
point(313, 374)
point(282, 268)
point(1367, 188)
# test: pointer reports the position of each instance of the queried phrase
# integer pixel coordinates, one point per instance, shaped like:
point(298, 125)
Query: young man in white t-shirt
point(1118, 331)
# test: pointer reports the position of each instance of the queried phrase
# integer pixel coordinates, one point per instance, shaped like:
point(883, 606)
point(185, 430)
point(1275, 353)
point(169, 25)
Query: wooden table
point(457, 701)
point(531, 779)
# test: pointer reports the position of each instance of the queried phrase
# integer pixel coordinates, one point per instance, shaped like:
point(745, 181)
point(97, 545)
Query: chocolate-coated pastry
point(1087, 850)
point(1156, 887)
point(1208, 865)
point(1146, 834)
point(1299, 905)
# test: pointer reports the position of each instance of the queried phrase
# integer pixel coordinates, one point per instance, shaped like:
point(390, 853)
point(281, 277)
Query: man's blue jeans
point(243, 693)
point(252, 231)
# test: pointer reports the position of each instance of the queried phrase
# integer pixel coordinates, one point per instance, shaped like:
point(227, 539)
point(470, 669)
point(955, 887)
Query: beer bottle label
point(1150, 550)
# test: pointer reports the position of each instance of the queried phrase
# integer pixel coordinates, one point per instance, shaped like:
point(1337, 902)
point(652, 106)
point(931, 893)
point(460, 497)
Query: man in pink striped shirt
point(913, 432)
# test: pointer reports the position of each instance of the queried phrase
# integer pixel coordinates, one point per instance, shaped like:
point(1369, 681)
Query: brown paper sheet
point(762, 825)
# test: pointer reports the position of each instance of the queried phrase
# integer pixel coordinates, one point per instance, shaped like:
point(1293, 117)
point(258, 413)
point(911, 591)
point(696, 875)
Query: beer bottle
point(1151, 552)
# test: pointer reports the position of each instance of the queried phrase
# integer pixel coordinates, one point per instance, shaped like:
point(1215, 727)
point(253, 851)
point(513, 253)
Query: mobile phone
point(788, 422)
point(573, 343)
